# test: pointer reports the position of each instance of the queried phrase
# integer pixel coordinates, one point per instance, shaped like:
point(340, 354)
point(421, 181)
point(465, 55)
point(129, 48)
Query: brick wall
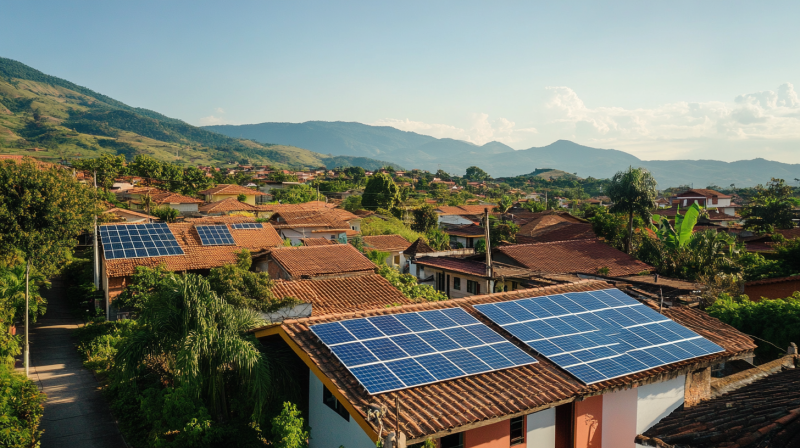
point(779, 290)
point(698, 387)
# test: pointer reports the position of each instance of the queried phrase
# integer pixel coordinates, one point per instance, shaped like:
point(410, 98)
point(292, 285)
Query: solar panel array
point(598, 335)
point(138, 241)
point(247, 226)
point(397, 351)
point(218, 235)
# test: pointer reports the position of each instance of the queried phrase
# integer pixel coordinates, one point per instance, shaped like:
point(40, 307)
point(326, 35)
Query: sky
point(660, 80)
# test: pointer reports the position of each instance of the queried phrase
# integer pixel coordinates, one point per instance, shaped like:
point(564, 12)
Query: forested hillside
point(52, 118)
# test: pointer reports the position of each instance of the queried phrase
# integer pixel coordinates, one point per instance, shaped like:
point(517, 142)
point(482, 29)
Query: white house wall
point(542, 429)
point(619, 418)
point(185, 208)
point(656, 401)
point(454, 219)
point(329, 429)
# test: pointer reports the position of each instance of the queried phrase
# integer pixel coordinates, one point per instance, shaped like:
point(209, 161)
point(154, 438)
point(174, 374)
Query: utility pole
point(95, 249)
point(488, 251)
point(27, 359)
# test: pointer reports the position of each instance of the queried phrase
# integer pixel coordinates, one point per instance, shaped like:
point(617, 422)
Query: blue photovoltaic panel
point(398, 351)
point(247, 226)
point(215, 235)
point(597, 335)
point(138, 241)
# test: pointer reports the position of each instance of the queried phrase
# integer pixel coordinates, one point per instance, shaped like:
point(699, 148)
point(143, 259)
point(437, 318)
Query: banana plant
point(681, 234)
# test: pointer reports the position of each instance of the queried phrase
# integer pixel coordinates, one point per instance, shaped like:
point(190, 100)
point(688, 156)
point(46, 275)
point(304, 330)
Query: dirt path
point(76, 413)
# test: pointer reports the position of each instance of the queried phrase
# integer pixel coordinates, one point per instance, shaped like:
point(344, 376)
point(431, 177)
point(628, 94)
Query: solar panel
point(215, 235)
point(247, 226)
point(598, 335)
point(138, 241)
point(393, 352)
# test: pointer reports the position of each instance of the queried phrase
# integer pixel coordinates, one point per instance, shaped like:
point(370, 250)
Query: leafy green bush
point(408, 286)
point(21, 409)
point(391, 226)
point(775, 320)
point(288, 429)
point(165, 213)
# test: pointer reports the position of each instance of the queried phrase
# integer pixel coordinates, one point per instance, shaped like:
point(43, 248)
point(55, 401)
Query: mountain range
point(53, 118)
point(412, 150)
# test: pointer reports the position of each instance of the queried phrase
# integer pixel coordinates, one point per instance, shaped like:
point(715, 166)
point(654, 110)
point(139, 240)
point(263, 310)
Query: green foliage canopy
point(425, 219)
point(380, 192)
point(633, 192)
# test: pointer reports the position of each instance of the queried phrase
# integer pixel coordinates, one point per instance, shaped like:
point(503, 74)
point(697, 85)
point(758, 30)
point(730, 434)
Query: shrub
point(408, 286)
point(288, 428)
point(21, 409)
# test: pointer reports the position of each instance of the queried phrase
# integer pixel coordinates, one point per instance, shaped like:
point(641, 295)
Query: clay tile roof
point(562, 231)
point(576, 256)
point(226, 205)
point(387, 243)
point(446, 405)
point(463, 209)
point(764, 414)
point(173, 198)
point(124, 211)
point(769, 281)
point(418, 247)
point(703, 192)
point(196, 256)
point(308, 218)
point(468, 230)
point(789, 234)
point(322, 260)
point(313, 205)
point(316, 242)
point(540, 222)
point(454, 264)
point(231, 189)
point(342, 295)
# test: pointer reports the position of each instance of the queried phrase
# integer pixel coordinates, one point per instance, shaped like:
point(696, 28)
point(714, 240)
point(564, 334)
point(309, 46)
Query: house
point(122, 254)
point(317, 242)
point(462, 214)
point(476, 397)
point(184, 204)
point(531, 223)
point(466, 235)
point(558, 231)
point(224, 191)
point(461, 277)
point(394, 245)
point(712, 216)
point(663, 203)
point(705, 198)
point(303, 262)
point(123, 214)
point(772, 288)
point(325, 223)
point(755, 408)
point(225, 207)
point(266, 210)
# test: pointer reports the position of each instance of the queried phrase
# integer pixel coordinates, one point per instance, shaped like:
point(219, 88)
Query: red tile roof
point(314, 261)
point(418, 247)
point(448, 405)
point(770, 281)
point(313, 205)
point(387, 243)
point(342, 295)
point(226, 205)
point(576, 256)
point(173, 198)
point(702, 192)
point(308, 218)
point(562, 231)
point(462, 209)
point(316, 242)
point(468, 231)
point(232, 189)
point(196, 256)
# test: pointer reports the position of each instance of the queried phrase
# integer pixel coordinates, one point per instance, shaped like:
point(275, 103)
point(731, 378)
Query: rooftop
point(322, 260)
point(702, 192)
point(561, 231)
point(342, 295)
point(316, 242)
point(387, 243)
point(462, 209)
point(232, 189)
point(226, 205)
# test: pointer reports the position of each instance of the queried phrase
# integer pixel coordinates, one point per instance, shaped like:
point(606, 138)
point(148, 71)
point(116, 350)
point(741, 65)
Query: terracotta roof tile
point(322, 260)
point(462, 209)
point(469, 230)
point(316, 242)
point(703, 192)
point(387, 243)
point(418, 247)
point(232, 189)
point(342, 295)
point(196, 256)
point(173, 198)
point(226, 205)
point(576, 256)
point(769, 281)
point(562, 231)
point(313, 205)
point(450, 404)
point(308, 218)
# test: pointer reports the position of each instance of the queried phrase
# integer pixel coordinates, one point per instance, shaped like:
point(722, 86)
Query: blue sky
point(661, 80)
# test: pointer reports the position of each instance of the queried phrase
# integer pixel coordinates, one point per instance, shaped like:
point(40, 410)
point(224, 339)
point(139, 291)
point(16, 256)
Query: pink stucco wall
point(589, 423)
point(619, 419)
point(497, 435)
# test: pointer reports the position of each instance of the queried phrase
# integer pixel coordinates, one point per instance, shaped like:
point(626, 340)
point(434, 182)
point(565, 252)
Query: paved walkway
point(76, 413)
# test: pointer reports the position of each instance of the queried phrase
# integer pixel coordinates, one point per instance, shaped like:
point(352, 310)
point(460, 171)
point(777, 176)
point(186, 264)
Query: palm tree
point(633, 192)
point(197, 339)
point(12, 291)
point(147, 202)
point(713, 252)
point(504, 204)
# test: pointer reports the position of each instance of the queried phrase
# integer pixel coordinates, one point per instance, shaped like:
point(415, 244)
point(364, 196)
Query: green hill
point(60, 119)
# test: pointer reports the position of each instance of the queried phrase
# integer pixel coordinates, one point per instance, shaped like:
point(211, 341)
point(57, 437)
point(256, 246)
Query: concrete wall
point(329, 429)
point(589, 422)
point(541, 428)
point(251, 199)
point(497, 435)
point(619, 418)
point(185, 209)
point(656, 401)
point(697, 387)
point(296, 234)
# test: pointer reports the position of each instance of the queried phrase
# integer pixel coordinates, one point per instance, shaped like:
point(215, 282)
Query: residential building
point(466, 235)
point(558, 231)
point(224, 191)
point(304, 262)
point(462, 214)
point(325, 223)
point(461, 277)
point(536, 405)
point(394, 245)
point(123, 214)
point(705, 198)
point(225, 207)
point(317, 242)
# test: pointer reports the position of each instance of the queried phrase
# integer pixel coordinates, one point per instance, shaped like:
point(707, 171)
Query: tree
point(408, 286)
point(352, 203)
point(166, 213)
point(504, 204)
point(356, 173)
point(295, 194)
point(380, 192)
point(633, 192)
point(147, 202)
point(288, 429)
point(438, 239)
point(42, 212)
point(376, 256)
point(197, 340)
point(12, 291)
point(241, 198)
point(443, 175)
point(242, 288)
point(534, 206)
point(476, 174)
point(425, 219)
point(771, 207)
point(107, 167)
point(147, 168)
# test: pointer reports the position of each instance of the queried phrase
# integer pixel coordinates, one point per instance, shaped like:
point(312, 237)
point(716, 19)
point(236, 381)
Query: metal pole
point(661, 307)
point(488, 251)
point(94, 243)
point(27, 302)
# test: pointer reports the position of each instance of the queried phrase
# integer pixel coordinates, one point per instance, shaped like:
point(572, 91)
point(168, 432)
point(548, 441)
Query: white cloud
point(482, 130)
point(220, 110)
point(212, 120)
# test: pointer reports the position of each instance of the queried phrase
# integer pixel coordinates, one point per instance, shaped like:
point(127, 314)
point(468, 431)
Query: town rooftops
point(313, 205)
point(589, 256)
point(386, 243)
point(311, 261)
point(462, 209)
point(440, 408)
point(561, 231)
point(342, 295)
point(232, 189)
point(121, 212)
point(226, 205)
point(173, 198)
point(308, 218)
point(465, 231)
point(196, 256)
point(704, 192)
point(418, 247)
point(316, 242)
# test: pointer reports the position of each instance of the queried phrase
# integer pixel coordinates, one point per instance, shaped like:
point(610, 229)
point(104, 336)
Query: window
point(473, 287)
point(397, 259)
point(333, 403)
point(452, 441)
point(517, 430)
point(457, 283)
